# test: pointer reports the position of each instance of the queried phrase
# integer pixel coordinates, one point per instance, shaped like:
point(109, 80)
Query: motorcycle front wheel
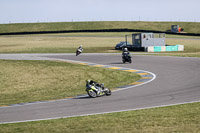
point(92, 94)
point(107, 92)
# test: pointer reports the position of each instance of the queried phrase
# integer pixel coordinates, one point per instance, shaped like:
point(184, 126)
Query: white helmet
point(125, 49)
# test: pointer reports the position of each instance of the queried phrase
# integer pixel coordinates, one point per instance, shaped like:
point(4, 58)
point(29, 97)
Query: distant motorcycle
point(93, 93)
point(79, 51)
point(126, 58)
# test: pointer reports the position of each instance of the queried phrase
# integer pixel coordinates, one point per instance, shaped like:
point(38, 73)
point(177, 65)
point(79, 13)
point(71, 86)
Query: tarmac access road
point(177, 82)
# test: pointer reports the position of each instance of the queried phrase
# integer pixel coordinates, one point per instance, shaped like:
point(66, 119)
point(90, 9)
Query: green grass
point(27, 81)
point(92, 43)
point(190, 27)
point(56, 44)
point(177, 119)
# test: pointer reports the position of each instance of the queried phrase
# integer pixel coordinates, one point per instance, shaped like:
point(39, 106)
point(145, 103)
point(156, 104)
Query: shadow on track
point(82, 97)
point(117, 63)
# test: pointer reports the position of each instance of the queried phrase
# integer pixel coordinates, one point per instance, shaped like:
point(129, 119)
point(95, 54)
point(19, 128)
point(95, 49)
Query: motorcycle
point(79, 51)
point(126, 58)
point(91, 91)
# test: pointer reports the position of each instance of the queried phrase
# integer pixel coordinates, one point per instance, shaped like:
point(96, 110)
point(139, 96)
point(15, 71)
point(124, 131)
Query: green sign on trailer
point(172, 48)
point(157, 49)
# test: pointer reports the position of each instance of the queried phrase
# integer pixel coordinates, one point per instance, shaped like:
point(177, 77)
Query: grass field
point(92, 43)
point(190, 27)
point(55, 44)
point(24, 81)
point(27, 81)
point(173, 119)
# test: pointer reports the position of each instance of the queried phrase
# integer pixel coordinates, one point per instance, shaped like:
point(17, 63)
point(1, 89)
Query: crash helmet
point(88, 81)
point(80, 46)
point(125, 49)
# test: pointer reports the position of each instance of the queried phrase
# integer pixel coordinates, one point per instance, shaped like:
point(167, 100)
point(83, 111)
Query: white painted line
point(102, 112)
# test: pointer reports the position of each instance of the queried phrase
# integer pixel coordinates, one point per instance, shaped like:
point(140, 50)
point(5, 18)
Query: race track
point(177, 82)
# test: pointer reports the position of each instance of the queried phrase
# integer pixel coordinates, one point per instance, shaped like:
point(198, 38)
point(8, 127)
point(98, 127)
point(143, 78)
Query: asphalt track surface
point(177, 81)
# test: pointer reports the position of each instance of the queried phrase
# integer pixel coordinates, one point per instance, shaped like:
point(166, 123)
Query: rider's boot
point(98, 93)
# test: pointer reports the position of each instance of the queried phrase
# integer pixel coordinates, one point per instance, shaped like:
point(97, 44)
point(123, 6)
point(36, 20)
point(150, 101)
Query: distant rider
point(80, 48)
point(125, 51)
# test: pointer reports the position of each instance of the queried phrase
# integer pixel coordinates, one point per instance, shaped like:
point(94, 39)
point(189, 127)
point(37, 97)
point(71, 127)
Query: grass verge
point(181, 118)
point(56, 44)
point(190, 27)
point(92, 43)
point(26, 81)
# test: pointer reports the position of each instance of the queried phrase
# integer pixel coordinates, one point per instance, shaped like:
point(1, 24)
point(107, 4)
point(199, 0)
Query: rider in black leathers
point(125, 51)
point(80, 47)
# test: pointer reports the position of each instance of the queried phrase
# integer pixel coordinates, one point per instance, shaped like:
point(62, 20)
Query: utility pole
point(126, 39)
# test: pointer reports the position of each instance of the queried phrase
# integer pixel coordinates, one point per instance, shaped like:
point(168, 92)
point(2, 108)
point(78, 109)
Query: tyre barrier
point(98, 30)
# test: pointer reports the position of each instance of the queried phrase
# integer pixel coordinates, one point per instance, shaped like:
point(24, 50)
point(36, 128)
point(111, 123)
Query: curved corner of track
point(146, 76)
